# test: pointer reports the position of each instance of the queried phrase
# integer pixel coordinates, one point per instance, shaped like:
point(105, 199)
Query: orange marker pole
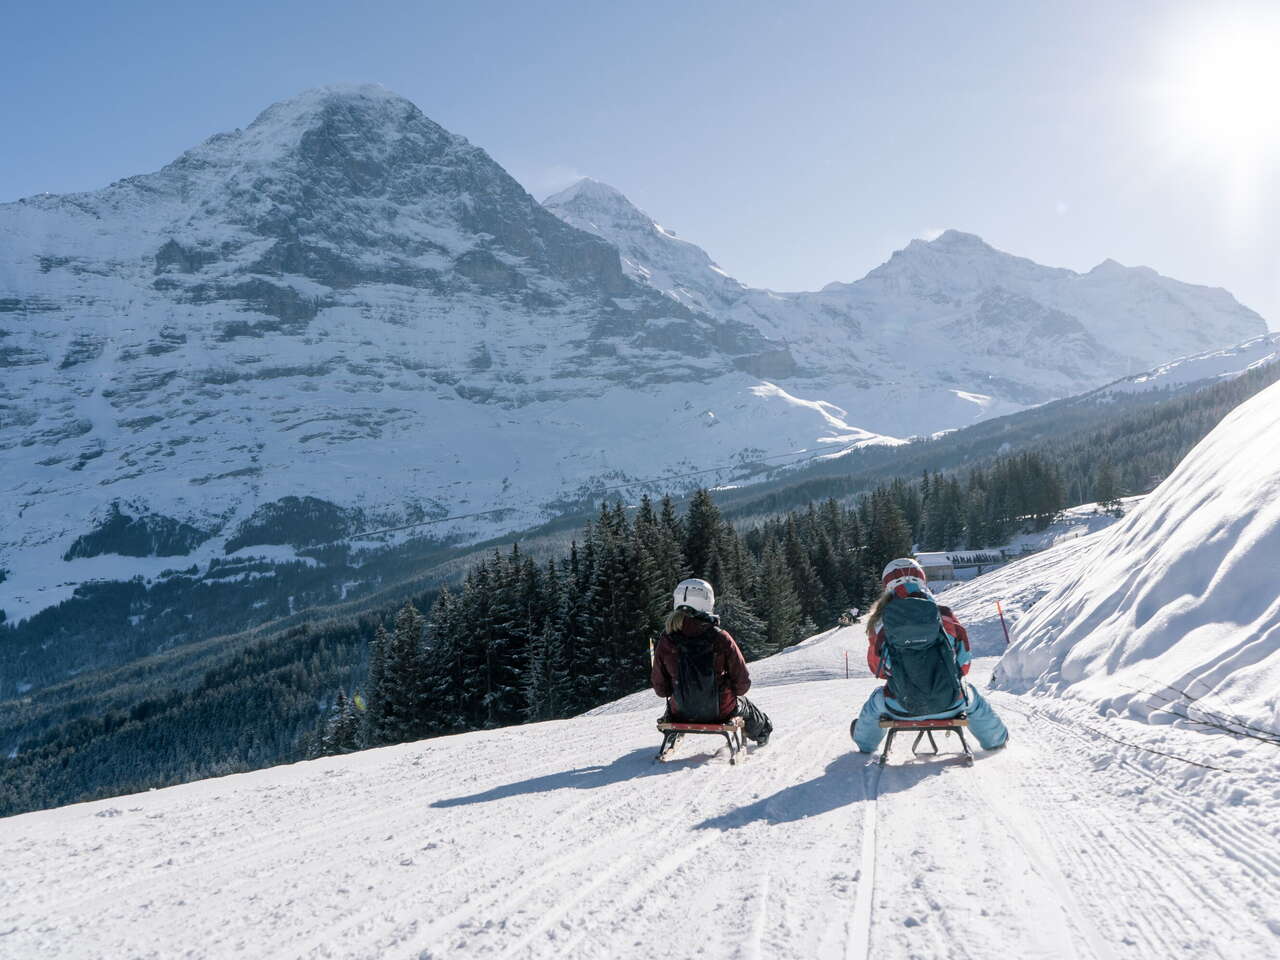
point(1002, 623)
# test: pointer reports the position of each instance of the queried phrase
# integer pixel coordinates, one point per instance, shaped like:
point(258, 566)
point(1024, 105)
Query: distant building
point(937, 566)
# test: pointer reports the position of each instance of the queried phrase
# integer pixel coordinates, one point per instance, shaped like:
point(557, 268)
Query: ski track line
point(754, 947)
point(858, 946)
point(399, 818)
point(1171, 849)
point(574, 860)
point(1221, 828)
point(1116, 845)
point(622, 904)
point(1043, 862)
point(1098, 862)
point(632, 891)
point(503, 901)
point(251, 850)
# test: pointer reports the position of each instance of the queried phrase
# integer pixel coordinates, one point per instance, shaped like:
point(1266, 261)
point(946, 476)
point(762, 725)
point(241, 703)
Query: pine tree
point(888, 536)
point(776, 600)
point(741, 622)
point(1106, 488)
point(702, 529)
point(375, 713)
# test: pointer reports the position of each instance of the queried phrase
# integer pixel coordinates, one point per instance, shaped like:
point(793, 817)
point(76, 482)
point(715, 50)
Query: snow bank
point(1181, 600)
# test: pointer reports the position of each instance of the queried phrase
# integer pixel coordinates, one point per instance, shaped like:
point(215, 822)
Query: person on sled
point(920, 648)
point(699, 668)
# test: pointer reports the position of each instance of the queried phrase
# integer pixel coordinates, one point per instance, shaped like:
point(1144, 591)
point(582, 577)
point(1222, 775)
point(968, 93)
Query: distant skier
point(920, 648)
point(699, 668)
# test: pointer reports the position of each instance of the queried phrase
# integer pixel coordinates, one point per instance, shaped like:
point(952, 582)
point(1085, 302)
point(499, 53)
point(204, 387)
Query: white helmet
point(695, 595)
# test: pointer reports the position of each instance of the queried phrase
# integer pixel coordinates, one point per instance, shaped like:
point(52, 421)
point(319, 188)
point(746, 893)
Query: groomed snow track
point(565, 840)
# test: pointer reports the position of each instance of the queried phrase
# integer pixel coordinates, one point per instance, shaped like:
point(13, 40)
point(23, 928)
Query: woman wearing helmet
point(920, 648)
point(699, 668)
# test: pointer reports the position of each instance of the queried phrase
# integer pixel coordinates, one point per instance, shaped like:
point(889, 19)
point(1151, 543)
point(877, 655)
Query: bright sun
point(1222, 90)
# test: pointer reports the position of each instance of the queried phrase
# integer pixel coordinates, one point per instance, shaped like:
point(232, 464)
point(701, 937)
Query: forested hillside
point(522, 639)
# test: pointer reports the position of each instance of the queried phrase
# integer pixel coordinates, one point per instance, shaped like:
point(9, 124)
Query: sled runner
point(673, 733)
point(925, 728)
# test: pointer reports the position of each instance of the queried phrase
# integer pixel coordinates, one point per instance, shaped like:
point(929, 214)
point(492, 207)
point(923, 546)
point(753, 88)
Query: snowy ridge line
point(859, 946)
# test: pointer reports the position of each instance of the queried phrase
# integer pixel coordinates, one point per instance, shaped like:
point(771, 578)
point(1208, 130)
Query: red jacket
point(732, 679)
point(954, 629)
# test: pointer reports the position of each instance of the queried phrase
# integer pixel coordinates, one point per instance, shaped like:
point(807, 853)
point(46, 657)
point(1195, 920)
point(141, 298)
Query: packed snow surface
point(1177, 611)
point(565, 840)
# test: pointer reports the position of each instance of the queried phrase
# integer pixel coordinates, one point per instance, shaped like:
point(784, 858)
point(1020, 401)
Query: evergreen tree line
point(521, 641)
point(985, 507)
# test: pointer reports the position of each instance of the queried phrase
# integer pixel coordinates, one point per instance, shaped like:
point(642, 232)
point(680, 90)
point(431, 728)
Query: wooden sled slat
point(926, 728)
point(732, 731)
point(734, 724)
point(889, 723)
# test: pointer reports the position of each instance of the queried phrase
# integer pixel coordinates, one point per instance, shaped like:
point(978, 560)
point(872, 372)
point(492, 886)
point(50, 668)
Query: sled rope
point(859, 945)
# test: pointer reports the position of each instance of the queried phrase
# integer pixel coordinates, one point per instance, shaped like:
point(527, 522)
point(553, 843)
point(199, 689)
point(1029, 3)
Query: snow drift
point(1179, 609)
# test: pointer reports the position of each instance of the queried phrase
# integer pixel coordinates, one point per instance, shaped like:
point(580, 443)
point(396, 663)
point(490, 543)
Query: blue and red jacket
point(953, 629)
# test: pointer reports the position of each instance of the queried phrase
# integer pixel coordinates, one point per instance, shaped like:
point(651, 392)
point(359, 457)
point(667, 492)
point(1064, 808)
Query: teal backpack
point(924, 676)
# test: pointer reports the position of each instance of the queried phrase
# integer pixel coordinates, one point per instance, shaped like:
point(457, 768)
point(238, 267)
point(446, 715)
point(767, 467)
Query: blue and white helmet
point(695, 595)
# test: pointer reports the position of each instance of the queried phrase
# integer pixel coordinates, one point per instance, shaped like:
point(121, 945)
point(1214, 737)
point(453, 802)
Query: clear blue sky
point(798, 142)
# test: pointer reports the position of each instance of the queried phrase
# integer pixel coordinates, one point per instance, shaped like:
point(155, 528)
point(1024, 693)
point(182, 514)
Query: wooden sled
point(925, 728)
point(673, 733)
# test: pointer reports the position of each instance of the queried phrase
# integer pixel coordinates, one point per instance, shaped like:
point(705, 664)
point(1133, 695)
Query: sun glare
point(1223, 90)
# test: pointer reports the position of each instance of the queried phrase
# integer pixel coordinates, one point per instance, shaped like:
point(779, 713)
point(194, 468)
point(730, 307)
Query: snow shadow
point(844, 781)
point(840, 784)
point(630, 766)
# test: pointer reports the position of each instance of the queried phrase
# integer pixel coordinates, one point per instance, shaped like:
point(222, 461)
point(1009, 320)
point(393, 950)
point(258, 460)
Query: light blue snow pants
point(983, 722)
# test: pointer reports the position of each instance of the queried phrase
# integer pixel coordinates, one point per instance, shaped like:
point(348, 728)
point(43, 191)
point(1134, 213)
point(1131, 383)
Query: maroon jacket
point(732, 679)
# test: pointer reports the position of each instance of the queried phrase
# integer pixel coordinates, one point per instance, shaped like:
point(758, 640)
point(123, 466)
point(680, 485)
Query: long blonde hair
point(675, 620)
point(876, 611)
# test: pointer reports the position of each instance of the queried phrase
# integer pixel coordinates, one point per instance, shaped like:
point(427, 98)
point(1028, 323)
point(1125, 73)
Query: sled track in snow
point(859, 943)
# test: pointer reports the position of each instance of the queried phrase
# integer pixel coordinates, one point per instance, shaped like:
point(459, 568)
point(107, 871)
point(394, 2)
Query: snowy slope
point(1178, 610)
point(563, 840)
point(1212, 365)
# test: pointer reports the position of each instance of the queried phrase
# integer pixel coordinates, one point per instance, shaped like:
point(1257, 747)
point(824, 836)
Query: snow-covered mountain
point(344, 317)
point(943, 325)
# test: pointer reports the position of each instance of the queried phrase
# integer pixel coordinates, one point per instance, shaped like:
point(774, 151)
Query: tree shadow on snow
point(845, 780)
point(630, 766)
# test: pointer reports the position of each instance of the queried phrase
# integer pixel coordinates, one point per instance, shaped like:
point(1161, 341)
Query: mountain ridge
point(347, 285)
